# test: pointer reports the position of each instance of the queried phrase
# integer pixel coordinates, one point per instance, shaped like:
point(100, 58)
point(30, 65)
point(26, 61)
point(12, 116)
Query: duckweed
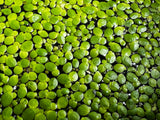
point(6, 99)
point(83, 110)
point(79, 60)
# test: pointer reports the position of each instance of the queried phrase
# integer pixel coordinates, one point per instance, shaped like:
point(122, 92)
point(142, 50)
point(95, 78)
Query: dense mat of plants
point(79, 60)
